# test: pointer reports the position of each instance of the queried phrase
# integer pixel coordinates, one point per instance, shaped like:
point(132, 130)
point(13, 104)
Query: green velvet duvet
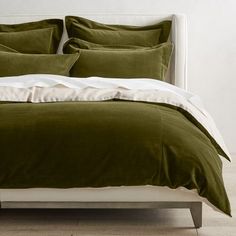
point(112, 143)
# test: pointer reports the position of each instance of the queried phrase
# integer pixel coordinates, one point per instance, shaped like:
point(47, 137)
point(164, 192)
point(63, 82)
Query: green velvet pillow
point(31, 41)
point(76, 42)
point(14, 63)
point(33, 37)
point(126, 62)
point(4, 48)
point(117, 34)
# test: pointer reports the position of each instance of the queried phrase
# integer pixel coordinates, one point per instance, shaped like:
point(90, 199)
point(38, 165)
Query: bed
point(120, 196)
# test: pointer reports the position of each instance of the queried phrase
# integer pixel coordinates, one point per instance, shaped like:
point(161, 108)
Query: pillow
point(127, 62)
point(76, 42)
point(4, 48)
point(37, 41)
point(33, 37)
point(117, 34)
point(14, 63)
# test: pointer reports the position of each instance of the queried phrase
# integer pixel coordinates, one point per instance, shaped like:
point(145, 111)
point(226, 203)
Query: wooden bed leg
point(196, 212)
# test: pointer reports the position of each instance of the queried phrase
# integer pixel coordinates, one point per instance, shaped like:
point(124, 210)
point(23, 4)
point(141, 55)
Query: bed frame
point(115, 197)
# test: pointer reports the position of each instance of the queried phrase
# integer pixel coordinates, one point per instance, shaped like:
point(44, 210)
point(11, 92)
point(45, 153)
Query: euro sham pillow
point(33, 37)
point(14, 63)
point(117, 34)
point(127, 62)
point(30, 41)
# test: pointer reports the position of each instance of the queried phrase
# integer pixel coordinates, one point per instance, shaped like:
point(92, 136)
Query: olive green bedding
point(117, 34)
point(125, 61)
point(13, 63)
point(33, 41)
point(33, 37)
point(4, 48)
point(80, 43)
point(110, 143)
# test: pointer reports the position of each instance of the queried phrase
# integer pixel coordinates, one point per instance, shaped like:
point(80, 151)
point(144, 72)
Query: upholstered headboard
point(178, 70)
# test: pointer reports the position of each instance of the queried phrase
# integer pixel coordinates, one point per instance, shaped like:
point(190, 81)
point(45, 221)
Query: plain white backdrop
point(211, 44)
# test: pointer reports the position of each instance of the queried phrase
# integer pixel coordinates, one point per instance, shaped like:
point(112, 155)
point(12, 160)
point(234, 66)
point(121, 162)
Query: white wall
point(212, 44)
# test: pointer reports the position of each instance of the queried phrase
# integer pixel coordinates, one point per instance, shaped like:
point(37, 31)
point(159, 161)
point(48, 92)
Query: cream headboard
point(178, 71)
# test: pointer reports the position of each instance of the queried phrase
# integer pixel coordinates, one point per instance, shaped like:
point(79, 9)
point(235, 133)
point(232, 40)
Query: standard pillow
point(127, 62)
point(4, 48)
point(13, 63)
point(117, 34)
point(33, 37)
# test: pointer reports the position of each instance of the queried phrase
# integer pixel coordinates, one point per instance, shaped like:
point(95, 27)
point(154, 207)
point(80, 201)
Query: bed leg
point(196, 212)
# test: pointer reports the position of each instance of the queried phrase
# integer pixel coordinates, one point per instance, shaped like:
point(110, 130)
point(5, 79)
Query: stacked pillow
point(33, 37)
point(118, 50)
point(93, 49)
point(14, 63)
point(27, 49)
point(125, 61)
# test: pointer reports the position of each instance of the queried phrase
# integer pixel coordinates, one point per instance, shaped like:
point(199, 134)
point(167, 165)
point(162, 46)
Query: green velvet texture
point(31, 41)
point(87, 144)
point(76, 42)
point(14, 63)
point(33, 37)
point(4, 48)
point(117, 34)
point(126, 62)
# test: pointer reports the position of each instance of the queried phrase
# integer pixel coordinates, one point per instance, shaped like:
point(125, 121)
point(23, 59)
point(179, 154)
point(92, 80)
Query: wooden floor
point(122, 222)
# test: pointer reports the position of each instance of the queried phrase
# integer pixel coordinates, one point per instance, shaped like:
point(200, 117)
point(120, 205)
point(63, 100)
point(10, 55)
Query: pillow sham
point(13, 63)
point(117, 34)
point(4, 48)
point(31, 41)
point(76, 42)
point(33, 37)
point(127, 62)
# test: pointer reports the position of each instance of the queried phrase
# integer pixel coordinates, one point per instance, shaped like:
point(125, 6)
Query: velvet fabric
point(14, 63)
point(112, 143)
point(119, 62)
point(33, 37)
point(117, 34)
